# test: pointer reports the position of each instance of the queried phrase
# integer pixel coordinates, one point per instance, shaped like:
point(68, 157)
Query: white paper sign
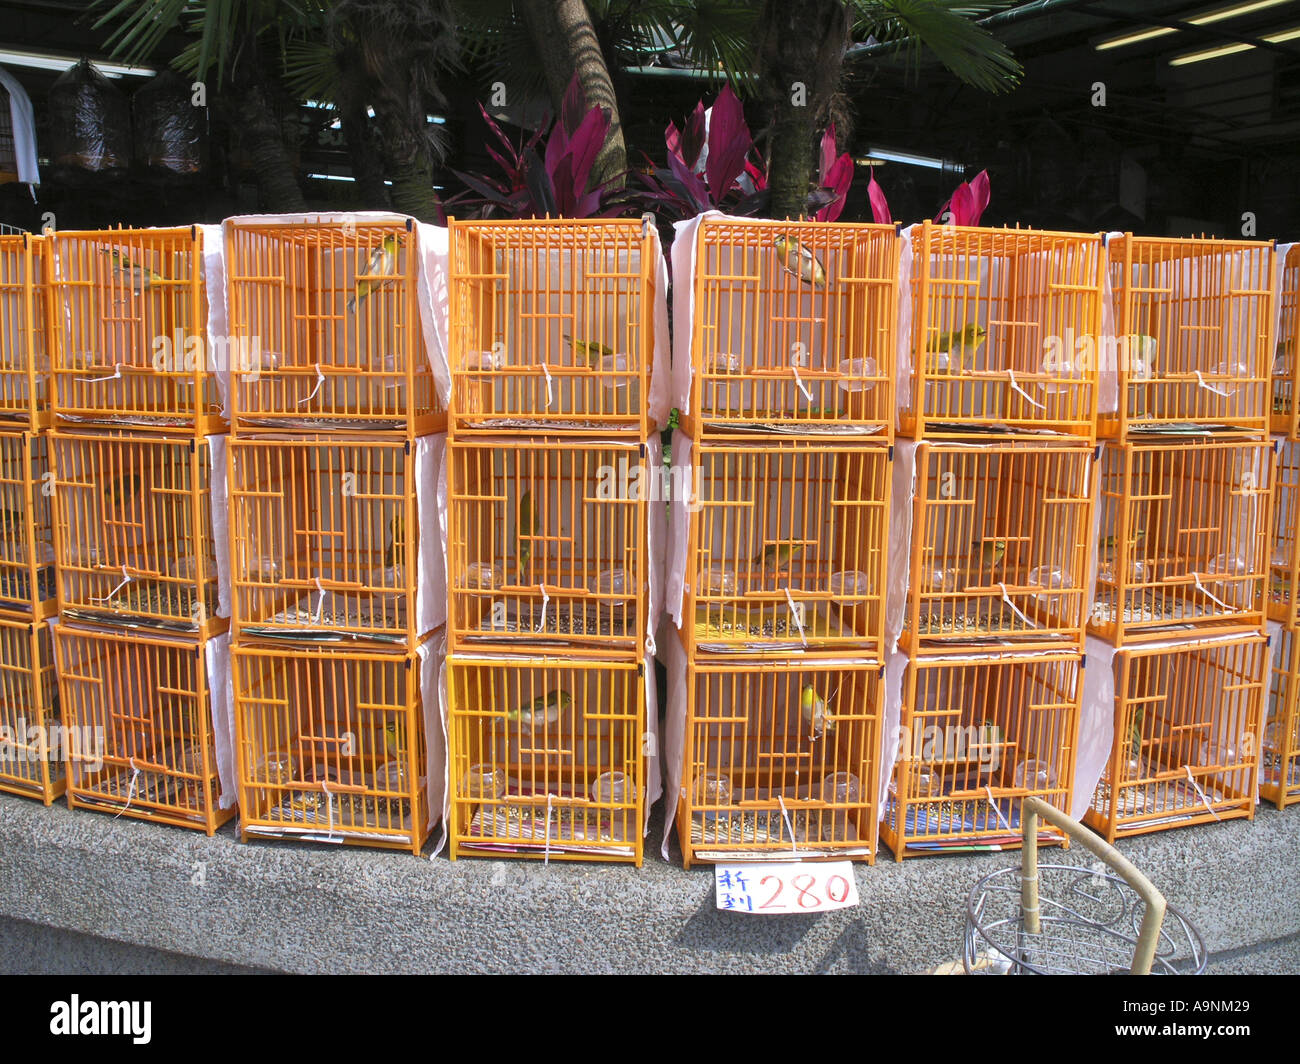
point(786, 887)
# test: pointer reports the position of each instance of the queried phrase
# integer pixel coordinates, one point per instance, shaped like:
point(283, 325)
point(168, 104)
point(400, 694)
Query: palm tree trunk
point(259, 131)
point(801, 46)
point(565, 39)
point(363, 152)
point(407, 162)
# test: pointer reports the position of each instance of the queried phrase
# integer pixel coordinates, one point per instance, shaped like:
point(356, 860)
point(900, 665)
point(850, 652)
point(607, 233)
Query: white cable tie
point(320, 380)
point(1001, 819)
point(1014, 609)
point(1204, 800)
point(130, 790)
point(546, 601)
point(546, 854)
point(126, 579)
point(1200, 380)
point(789, 824)
point(320, 601)
point(802, 387)
point(115, 376)
point(550, 395)
point(1196, 578)
point(329, 805)
point(1011, 375)
point(796, 613)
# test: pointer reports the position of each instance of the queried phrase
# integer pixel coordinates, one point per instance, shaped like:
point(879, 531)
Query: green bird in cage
point(544, 709)
point(991, 553)
point(396, 549)
point(799, 261)
point(382, 262)
point(954, 352)
point(139, 278)
point(592, 351)
point(526, 526)
point(1108, 542)
point(816, 713)
point(394, 738)
point(776, 558)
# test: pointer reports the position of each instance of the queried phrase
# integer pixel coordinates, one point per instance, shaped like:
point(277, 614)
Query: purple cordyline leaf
point(879, 206)
point(586, 143)
point(980, 192)
point(729, 144)
point(827, 153)
point(836, 179)
point(692, 137)
point(697, 192)
point(573, 108)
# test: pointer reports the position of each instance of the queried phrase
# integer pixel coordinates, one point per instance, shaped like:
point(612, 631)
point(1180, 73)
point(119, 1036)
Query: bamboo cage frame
point(24, 331)
point(526, 352)
point(977, 734)
point(330, 745)
point(1001, 545)
point(1004, 330)
point(1188, 723)
point(580, 577)
point(133, 532)
point(1285, 370)
point(332, 310)
point(794, 328)
point(33, 754)
point(769, 749)
point(146, 699)
point(1184, 539)
point(27, 575)
point(1279, 773)
point(325, 537)
point(552, 751)
point(1283, 586)
point(1196, 318)
point(788, 549)
point(129, 327)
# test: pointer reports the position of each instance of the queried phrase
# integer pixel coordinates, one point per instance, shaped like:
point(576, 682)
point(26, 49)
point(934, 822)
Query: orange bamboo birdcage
point(978, 734)
point(133, 531)
point(552, 325)
point(1285, 370)
point(1004, 330)
point(24, 330)
point(547, 757)
point(1001, 542)
point(787, 548)
point(140, 703)
point(27, 584)
point(129, 325)
point(33, 749)
point(1188, 722)
point(1194, 325)
point(795, 328)
point(331, 745)
point(780, 761)
point(327, 314)
point(1283, 587)
point(1184, 539)
point(547, 543)
point(326, 538)
point(1279, 771)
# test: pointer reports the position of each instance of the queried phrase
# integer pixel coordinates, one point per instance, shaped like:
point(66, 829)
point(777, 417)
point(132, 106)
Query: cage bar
point(1285, 371)
point(1279, 772)
point(1004, 330)
point(787, 550)
point(547, 757)
point(326, 540)
point(1184, 537)
point(141, 703)
point(24, 327)
point(129, 312)
point(1001, 543)
point(331, 746)
point(547, 543)
point(328, 316)
point(794, 328)
point(1188, 722)
point(1283, 588)
point(977, 735)
point(1194, 321)
point(27, 584)
point(133, 530)
point(34, 745)
point(552, 325)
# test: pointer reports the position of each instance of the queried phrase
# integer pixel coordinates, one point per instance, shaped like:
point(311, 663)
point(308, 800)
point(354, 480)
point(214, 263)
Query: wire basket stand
point(1068, 920)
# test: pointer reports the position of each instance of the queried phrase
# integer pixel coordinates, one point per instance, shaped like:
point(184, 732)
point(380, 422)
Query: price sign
point(785, 887)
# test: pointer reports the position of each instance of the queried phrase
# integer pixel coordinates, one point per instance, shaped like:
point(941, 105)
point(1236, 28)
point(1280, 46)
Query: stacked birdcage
point(1177, 650)
point(1279, 772)
point(137, 473)
point(991, 542)
point(32, 758)
point(336, 560)
point(777, 554)
point(552, 472)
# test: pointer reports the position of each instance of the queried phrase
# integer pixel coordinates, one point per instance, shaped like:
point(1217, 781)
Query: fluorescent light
point(341, 177)
point(1233, 49)
point(907, 158)
point(1219, 14)
point(49, 61)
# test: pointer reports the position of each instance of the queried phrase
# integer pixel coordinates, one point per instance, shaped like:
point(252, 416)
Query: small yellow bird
point(382, 262)
point(815, 713)
point(526, 526)
point(122, 491)
point(396, 549)
point(799, 261)
point(592, 351)
point(140, 278)
point(955, 351)
point(776, 558)
point(544, 709)
point(394, 738)
point(991, 552)
point(1141, 355)
point(1108, 542)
